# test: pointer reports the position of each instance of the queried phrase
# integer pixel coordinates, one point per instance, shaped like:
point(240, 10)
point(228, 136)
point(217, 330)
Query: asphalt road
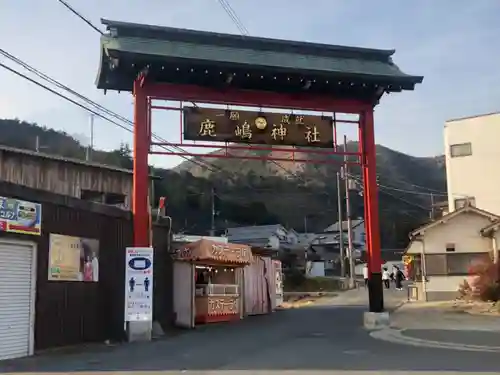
point(327, 338)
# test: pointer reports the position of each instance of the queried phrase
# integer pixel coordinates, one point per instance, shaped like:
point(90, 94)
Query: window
point(112, 199)
point(461, 149)
point(460, 202)
point(93, 196)
point(460, 264)
point(435, 265)
point(450, 247)
point(453, 263)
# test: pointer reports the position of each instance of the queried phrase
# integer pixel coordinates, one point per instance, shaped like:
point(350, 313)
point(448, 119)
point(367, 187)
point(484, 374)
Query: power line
point(234, 17)
point(61, 95)
point(96, 106)
point(79, 15)
point(382, 188)
point(239, 24)
point(243, 30)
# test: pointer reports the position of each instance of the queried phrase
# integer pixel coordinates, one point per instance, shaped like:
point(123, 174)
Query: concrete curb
point(396, 307)
point(396, 336)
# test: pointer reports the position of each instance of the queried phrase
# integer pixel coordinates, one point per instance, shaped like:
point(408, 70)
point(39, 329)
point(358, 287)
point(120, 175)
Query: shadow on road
point(313, 338)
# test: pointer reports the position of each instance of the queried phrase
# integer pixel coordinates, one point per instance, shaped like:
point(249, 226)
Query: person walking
point(365, 274)
point(386, 278)
point(399, 277)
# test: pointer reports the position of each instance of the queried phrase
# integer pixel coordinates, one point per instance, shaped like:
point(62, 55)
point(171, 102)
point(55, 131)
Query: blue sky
point(455, 44)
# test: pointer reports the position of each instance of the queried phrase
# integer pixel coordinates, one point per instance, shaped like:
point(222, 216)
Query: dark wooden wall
point(163, 291)
point(69, 313)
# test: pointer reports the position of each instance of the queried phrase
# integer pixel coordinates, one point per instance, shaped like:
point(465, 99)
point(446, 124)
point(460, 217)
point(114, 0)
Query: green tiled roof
point(171, 44)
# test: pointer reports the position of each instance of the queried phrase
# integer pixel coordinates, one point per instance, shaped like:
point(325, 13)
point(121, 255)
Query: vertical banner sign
point(139, 284)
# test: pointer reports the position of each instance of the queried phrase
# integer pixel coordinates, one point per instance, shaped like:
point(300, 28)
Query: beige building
point(472, 156)
point(444, 250)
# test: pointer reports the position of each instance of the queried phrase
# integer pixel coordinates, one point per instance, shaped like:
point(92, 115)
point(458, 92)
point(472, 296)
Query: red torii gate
point(161, 63)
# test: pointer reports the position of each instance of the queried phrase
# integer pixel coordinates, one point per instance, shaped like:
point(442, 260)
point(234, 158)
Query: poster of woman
point(73, 258)
point(89, 259)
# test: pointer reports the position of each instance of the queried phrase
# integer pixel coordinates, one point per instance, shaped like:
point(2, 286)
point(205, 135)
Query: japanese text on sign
point(139, 284)
point(257, 128)
point(20, 216)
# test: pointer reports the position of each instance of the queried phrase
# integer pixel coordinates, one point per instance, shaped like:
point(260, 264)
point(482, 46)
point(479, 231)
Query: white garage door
point(15, 299)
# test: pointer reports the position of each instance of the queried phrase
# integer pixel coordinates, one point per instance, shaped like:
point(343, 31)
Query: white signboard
point(139, 284)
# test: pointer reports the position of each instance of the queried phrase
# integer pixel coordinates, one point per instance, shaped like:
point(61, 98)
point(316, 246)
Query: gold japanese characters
point(219, 125)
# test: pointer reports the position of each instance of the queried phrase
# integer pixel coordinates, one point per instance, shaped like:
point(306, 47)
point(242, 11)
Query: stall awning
point(215, 252)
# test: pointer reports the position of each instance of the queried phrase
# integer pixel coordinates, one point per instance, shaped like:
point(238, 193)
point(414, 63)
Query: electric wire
point(79, 15)
point(234, 17)
point(45, 77)
point(244, 31)
point(238, 24)
point(96, 106)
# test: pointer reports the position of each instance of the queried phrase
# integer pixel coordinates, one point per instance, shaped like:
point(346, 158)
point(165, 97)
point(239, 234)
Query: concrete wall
point(474, 175)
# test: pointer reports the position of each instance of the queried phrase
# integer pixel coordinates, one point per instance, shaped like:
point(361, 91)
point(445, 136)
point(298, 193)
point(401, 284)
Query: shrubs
point(483, 283)
point(295, 281)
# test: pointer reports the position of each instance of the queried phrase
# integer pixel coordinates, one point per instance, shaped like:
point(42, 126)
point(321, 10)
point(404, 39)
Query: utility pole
point(348, 213)
point(212, 227)
point(305, 223)
point(432, 213)
point(340, 221)
point(38, 146)
point(88, 155)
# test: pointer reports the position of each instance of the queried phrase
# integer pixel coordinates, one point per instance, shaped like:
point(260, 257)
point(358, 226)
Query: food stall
point(208, 281)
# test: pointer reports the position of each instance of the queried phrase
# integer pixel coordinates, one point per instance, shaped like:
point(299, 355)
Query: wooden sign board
point(219, 125)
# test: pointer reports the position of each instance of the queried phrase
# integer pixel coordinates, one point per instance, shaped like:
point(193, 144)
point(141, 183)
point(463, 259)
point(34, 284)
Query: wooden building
point(43, 302)
point(71, 177)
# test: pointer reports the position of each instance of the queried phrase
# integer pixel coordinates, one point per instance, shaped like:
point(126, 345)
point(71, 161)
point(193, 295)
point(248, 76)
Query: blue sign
point(139, 263)
point(20, 216)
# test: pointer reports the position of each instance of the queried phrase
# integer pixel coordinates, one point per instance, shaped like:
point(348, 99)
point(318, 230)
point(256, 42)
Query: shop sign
point(231, 254)
point(407, 259)
point(139, 284)
point(222, 305)
point(219, 125)
point(17, 216)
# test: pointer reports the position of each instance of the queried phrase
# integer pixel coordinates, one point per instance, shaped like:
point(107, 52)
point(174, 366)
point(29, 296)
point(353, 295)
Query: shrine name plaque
point(220, 125)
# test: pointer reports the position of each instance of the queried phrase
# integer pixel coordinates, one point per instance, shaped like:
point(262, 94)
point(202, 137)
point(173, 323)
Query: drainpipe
point(424, 268)
point(495, 250)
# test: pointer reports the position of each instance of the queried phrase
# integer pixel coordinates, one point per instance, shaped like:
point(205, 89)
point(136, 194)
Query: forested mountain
point(249, 192)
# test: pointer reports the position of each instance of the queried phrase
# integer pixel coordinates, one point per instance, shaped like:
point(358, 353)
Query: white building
point(445, 249)
point(449, 247)
point(472, 155)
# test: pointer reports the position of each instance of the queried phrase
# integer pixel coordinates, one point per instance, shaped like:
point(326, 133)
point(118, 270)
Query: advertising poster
point(139, 284)
point(20, 216)
point(73, 258)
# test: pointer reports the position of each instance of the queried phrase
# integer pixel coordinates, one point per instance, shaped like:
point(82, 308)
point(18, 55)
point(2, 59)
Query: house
point(444, 250)
point(67, 176)
point(274, 237)
point(331, 233)
point(471, 158)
